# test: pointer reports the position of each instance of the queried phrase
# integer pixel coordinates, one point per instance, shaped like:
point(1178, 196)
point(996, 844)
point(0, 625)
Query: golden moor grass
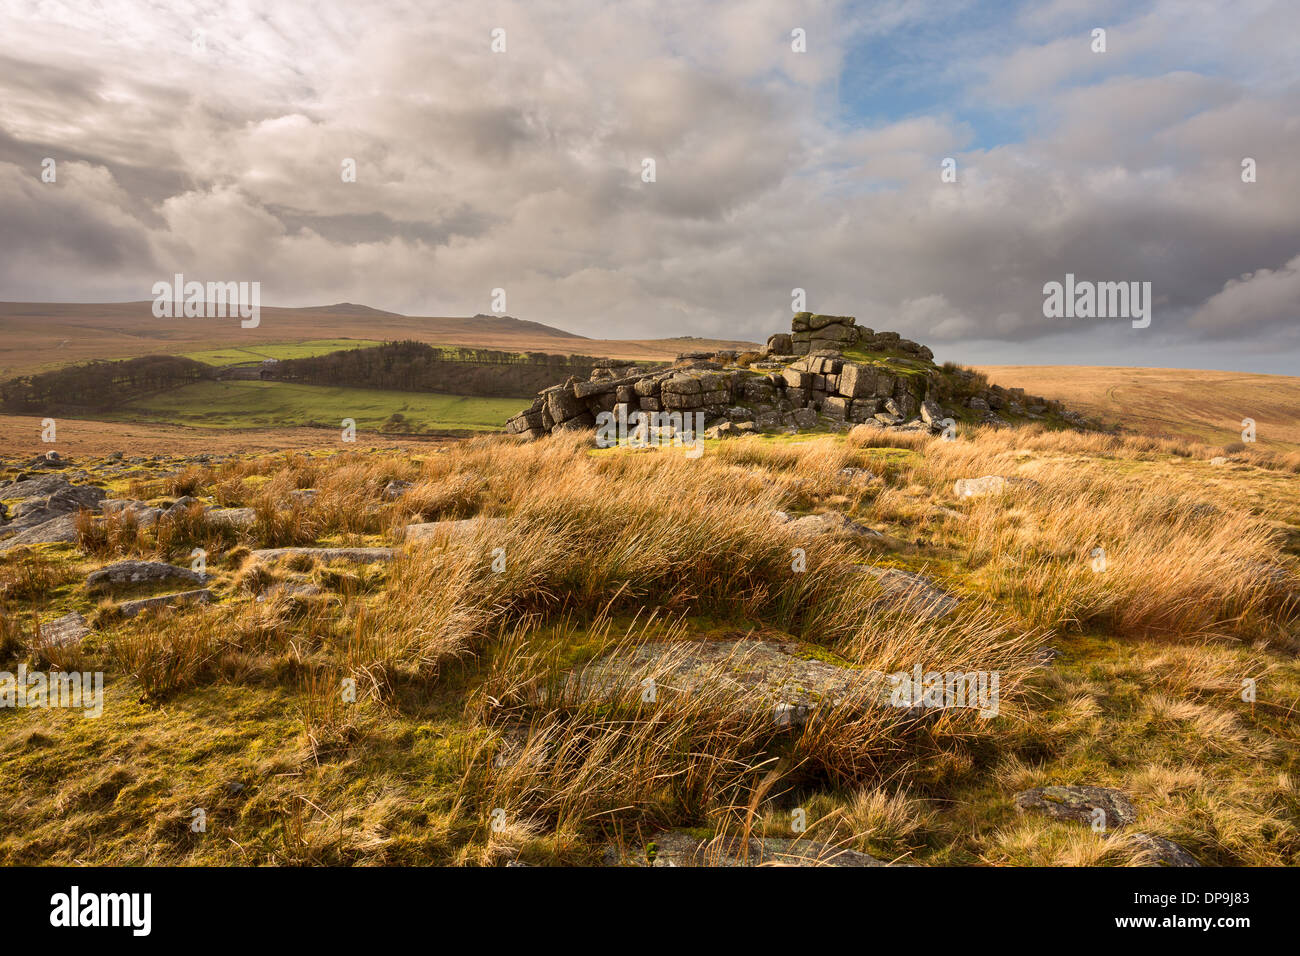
point(1134, 555)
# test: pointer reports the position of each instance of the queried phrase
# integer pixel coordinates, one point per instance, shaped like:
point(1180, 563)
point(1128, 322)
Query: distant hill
point(37, 336)
point(350, 308)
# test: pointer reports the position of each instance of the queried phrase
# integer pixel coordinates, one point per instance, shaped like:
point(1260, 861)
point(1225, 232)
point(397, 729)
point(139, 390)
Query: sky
point(210, 138)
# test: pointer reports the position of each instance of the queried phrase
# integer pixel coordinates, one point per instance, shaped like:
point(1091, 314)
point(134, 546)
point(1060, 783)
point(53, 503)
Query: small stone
point(1158, 851)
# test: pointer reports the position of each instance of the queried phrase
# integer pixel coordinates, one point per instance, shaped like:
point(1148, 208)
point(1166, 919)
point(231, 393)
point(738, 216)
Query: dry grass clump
point(28, 576)
point(1174, 562)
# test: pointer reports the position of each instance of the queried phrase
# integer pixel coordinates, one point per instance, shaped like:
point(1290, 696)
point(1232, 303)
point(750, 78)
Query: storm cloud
point(209, 140)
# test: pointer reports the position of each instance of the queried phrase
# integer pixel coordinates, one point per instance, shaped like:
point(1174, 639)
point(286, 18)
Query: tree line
point(417, 367)
point(99, 384)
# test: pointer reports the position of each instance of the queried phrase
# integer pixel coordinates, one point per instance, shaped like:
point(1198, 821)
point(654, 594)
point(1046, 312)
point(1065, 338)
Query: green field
point(236, 404)
point(277, 350)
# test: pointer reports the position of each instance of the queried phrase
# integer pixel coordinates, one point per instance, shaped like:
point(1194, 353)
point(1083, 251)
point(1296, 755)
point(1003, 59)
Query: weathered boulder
point(831, 522)
point(237, 518)
point(395, 489)
point(60, 530)
point(1081, 804)
point(780, 344)
point(39, 487)
point(752, 676)
point(913, 592)
point(562, 405)
point(132, 608)
point(1156, 850)
point(126, 573)
point(66, 631)
point(41, 503)
point(444, 531)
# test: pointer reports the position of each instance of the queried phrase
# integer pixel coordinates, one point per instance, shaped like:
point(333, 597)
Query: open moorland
point(880, 611)
point(547, 652)
point(1195, 404)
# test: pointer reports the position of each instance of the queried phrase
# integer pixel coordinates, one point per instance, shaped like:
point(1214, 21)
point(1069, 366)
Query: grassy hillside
point(1181, 403)
point(235, 404)
point(236, 355)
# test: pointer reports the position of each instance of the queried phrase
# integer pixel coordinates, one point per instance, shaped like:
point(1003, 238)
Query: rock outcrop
point(827, 373)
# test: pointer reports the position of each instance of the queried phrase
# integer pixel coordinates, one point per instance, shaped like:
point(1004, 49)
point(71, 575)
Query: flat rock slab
point(232, 517)
point(1079, 804)
point(326, 555)
point(912, 592)
point(34, 487)
point(36, 510)
point(677, 848)
point(831, 522)
point(125, 573)
point(1159, 851)
point(60, 530)
point(132, 608)
point(777, 677)
point(431, 531)
point(66, 631)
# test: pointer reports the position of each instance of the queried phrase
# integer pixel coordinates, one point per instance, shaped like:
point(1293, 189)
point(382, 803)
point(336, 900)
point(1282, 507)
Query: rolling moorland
point(416, 650)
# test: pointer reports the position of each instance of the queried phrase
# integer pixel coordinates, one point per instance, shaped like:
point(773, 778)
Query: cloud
point(522, 170)
point(1253, 303)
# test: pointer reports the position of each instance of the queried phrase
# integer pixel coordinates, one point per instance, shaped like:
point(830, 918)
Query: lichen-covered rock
point(60, 530)
point(1155, 850)
point(132, 608)
point(1080, 804)
point(66, 631)
point(780, 679)
point(913, 592)
point(238, 518)
point(831, 522)
point(127, 573)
